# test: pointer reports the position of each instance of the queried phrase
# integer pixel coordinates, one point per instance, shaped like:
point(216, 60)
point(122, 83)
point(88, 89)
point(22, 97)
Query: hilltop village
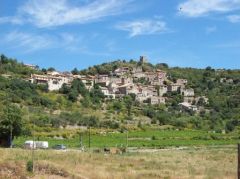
point(147, 86)
point(121, 94)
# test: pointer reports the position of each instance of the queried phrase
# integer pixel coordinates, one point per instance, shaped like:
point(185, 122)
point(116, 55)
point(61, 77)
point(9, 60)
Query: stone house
point(53, 82)
point(148, 91)
point(137, 70)
point(161, 74)
point(115, 80)
point(53, 73)
point(163, 90)
point(126, 81)
point(141, 98)
point(204, 98)
point(87, 81)
point(143, 93)
point(187, 92)
point(188, 99)
point(121, 71)
point(174, 87)
point(188, 95)
point(157, 81)
point(182, 81)
point(188, 107)
point(102, 80)
point(107, 93)
point(150, 76)
point(124, 89)
point(34, 67)
point(138, 75)
point(157, 100)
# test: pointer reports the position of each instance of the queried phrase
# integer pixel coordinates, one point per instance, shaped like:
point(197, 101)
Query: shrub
point(109, 124)
point(30, 166)
point(154, 137)
point(64, 135)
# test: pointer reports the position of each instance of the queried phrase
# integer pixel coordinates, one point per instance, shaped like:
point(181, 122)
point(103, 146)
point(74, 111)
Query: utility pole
point(89, 137)
point(11, 135)
point(127, 139)
point(81, 141)
point(33, 144)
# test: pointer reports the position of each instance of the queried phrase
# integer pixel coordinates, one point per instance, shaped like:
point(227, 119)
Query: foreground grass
point(149, 138)
point(205, 162)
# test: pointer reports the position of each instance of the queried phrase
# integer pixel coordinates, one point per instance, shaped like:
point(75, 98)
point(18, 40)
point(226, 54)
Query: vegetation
point(12, 67)
point(210, 162)
point(150, 138)
point(76, 106)
point(10, 123)
point(29, 166)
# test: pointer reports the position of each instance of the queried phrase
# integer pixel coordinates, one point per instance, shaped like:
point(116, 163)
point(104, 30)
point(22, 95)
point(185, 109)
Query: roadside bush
point(109, 124)
point(29, 166)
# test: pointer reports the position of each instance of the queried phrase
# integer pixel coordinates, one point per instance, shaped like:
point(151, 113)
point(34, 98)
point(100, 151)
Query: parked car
point(60, 147)
point(29, 144)
point(42, 144)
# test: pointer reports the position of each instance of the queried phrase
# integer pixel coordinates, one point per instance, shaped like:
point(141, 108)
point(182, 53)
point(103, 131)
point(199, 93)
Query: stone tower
point(143, 59)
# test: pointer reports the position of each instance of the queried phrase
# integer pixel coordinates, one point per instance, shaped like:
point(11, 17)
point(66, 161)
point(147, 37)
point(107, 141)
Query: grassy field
point(205, 162)
point(149, 138)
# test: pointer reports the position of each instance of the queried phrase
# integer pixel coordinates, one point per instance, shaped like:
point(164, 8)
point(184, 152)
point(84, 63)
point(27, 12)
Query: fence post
point(238, 161)
point(89, 137)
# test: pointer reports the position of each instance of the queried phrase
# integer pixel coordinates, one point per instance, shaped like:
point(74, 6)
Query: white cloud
point(211, 29)
point(28, 42)
point(234, 18)
point(32, 42)
point(49, 13)
point(196, 8)
point(12, 20)
point(143, 27)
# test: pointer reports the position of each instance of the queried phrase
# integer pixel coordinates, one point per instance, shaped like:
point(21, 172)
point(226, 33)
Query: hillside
point(213, 97)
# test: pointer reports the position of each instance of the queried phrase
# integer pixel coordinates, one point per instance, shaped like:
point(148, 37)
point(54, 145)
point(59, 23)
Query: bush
point(230, 126)
point(30, 166)
point(93, 121)
point(154, 137)
point(65, 136)
point(109, 124)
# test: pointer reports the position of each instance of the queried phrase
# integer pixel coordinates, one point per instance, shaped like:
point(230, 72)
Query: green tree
point(78, 86)
point(96, 94)
point(117, 105)
point(10, 123)
point(51, 69)
point(128, 103)
point(73, 95)
point(65, 89)
point(75, 71)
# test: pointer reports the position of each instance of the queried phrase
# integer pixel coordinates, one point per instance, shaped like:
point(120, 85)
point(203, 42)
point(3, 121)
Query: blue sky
point(80, 33)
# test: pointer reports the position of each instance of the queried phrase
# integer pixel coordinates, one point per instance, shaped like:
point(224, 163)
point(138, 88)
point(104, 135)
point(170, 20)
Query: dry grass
point(169, 164)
